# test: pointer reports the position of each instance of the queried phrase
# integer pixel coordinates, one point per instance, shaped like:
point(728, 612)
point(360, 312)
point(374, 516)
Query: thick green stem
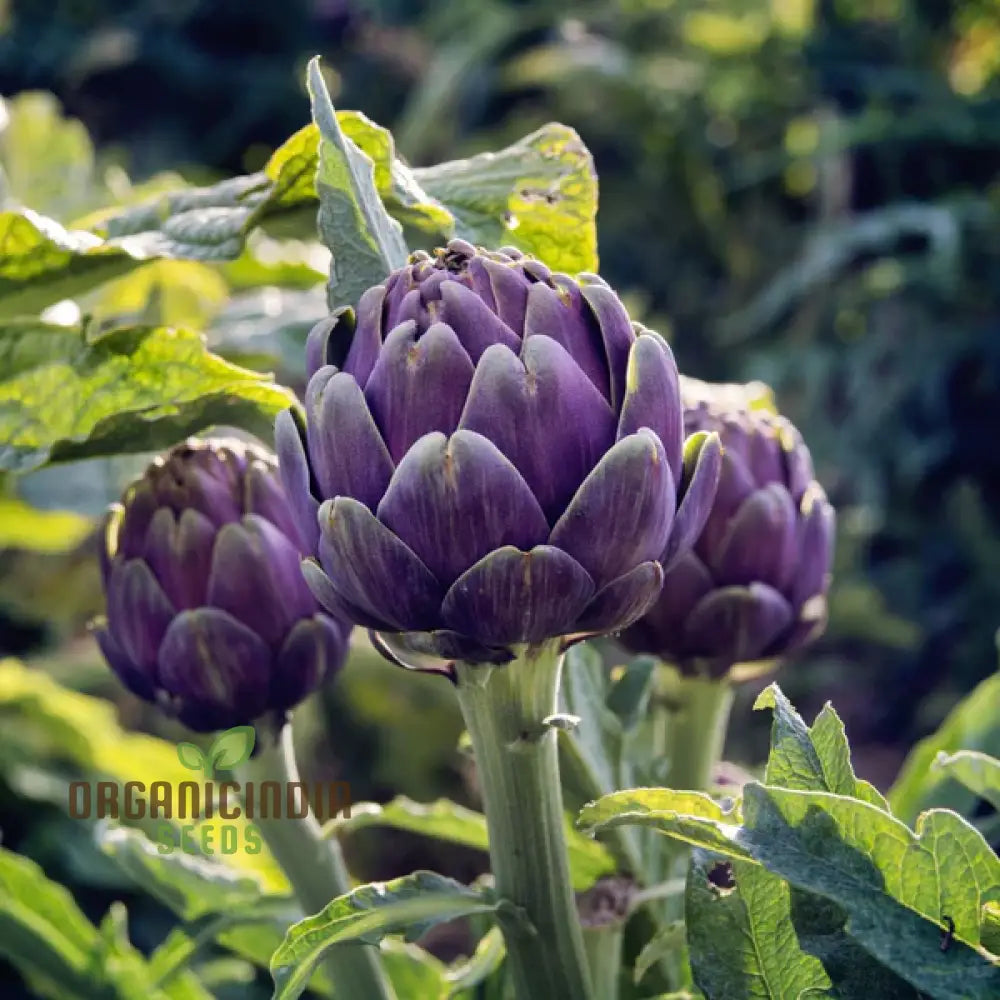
point(604, 956)
point(697, 715)
point(505, 710)
point(316, 870)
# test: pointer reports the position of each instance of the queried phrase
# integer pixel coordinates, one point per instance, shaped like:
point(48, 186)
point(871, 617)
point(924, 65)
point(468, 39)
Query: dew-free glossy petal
point(737, 623)
point(315, 649)
point(652, 398)
point(815, 547)
point(512, 596)
point(475, 325)
point(703, 462)
point(616, 331)
point(216, 664)
point(453, 500)
point(622, 513)
point(349, 454)
point(544, 414)
point(558, 313)
point(329, 341)
point(138, 611)
point(367, 341)
point(418, 385)
point(760, 543)
point(256, 577)
point(623, 601)
point(330, 600)
point(510, 291)
point(180, 554)
point(289, 443)
point(139, 682)
point(263, 495)
point(374, 570)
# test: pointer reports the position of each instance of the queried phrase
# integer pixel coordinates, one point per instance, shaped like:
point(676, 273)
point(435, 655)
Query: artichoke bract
point(493, 455)
point(754, 586)
point(207, 612)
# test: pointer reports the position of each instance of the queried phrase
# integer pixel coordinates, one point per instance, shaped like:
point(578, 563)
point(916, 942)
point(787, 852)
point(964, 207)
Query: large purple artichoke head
point(492, 456)
point(754, 587)
point(208, 615)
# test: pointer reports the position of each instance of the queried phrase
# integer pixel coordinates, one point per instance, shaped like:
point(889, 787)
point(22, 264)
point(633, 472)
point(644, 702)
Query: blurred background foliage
point(801, 191)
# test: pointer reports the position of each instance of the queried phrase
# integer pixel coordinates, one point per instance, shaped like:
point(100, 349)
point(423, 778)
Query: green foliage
point(65, 395)
point(895, 891)
point(191, 886)
point(448, 821)
point(742, 940)
point(365, 241)
point(367, 914)
point(63, 956)
point(974, 724)
point(977, 771)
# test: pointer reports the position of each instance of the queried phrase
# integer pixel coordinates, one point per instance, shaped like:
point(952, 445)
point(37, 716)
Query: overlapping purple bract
point(497, 460)
point(207, 611)
point(754, 587)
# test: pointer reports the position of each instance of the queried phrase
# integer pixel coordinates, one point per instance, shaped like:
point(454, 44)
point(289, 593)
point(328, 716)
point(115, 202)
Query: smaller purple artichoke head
point(492, 456)
point(208, 615)
point(754, 587)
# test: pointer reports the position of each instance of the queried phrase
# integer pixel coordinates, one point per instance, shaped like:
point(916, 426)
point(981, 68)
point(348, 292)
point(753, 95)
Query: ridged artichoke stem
point(691, 715)
point(505, 710)
point(316, 870)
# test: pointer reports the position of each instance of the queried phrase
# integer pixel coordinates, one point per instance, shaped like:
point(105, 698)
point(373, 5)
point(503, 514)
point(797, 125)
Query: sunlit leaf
point(367, 914)
point(973, 724)
point(192, 886)
point(41, 262)
point(742, 942)
point(539, 194)
point(979, 772)
point(816, 759)
point(63, 396)
point(366, 242)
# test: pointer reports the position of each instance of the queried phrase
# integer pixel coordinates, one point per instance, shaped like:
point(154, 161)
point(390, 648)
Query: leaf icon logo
point(230, 748)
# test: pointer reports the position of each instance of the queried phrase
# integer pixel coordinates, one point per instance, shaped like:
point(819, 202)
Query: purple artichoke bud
point(207, 611)
point(493, 455)
point(754, 586)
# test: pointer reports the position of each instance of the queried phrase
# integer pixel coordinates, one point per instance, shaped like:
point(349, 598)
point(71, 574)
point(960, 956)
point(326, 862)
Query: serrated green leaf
point(190, 885)
point(132, 389)
point(896, 886)
point(974, 724)
point(539, 194)
point(742, 941)
point(232, 747)
point(446, 820)
point(820, 926)
point(689, 816)
point(979, 772)
point(365, 241)
point(816, 759)
point(41, 262)
point(367, 914)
